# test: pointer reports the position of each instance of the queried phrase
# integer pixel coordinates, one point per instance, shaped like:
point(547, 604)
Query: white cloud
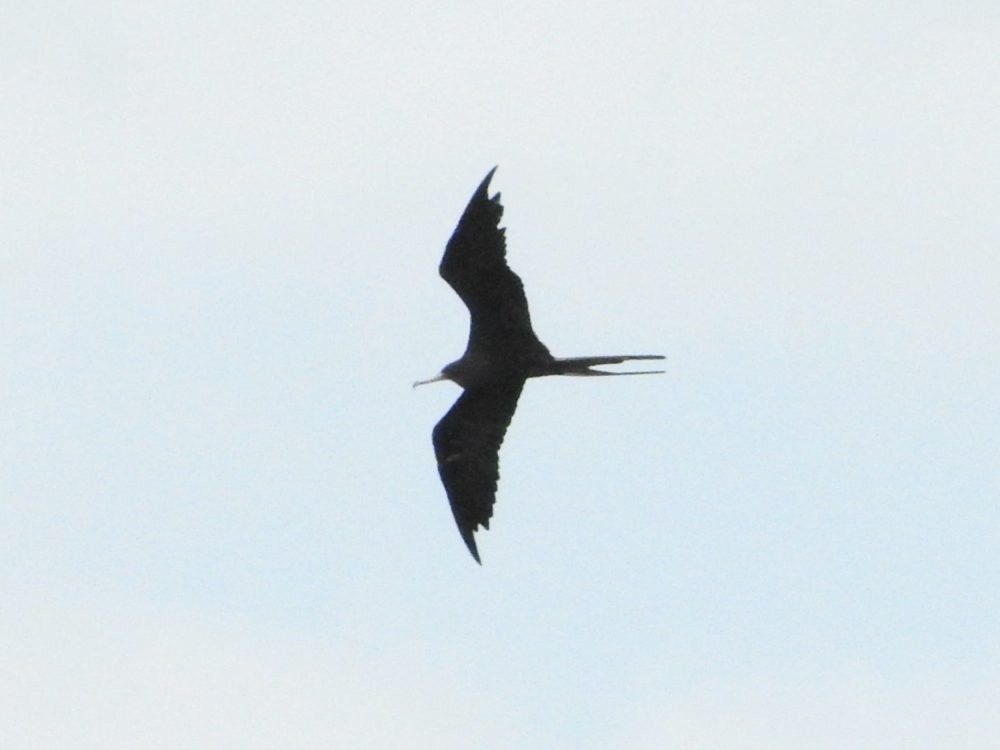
point(126, 678)
point(858, 709)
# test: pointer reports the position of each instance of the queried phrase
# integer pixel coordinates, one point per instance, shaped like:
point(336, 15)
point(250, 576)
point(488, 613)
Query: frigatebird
point(503, 351)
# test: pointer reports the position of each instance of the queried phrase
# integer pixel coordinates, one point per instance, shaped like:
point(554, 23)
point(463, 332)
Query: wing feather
point(475, 265)
point(467, 444)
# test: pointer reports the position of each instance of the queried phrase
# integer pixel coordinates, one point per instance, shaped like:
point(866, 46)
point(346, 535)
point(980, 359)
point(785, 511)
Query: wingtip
point(485, 184)
point(470, 542)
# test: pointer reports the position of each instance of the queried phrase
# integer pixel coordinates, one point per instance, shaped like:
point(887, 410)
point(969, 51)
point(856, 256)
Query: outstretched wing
point(466, 443)
point(475, 266)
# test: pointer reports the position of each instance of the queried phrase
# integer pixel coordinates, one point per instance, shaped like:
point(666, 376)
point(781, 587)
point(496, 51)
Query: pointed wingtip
point(485, 184)
point(470, 542)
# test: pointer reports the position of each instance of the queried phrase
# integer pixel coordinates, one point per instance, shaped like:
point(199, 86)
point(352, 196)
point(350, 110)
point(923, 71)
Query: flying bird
point(502, 353)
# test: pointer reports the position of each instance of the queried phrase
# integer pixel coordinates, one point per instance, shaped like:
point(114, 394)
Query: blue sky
point(222, 524)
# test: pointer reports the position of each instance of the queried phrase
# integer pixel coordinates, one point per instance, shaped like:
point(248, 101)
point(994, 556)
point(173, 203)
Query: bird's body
point(502, 353)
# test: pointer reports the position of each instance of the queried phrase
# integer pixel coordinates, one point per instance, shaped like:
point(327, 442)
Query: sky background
point(221, 523)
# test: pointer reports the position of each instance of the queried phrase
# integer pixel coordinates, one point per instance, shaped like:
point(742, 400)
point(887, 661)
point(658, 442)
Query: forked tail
point(582, 365)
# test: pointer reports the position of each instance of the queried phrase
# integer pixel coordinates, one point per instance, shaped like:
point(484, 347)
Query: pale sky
point(222, 523)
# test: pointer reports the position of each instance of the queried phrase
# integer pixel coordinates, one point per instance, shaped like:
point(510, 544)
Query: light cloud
point(120, 677)
point(855, 708)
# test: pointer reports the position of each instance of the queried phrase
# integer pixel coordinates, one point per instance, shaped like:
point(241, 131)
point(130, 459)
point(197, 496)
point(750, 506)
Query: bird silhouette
point(502, 353)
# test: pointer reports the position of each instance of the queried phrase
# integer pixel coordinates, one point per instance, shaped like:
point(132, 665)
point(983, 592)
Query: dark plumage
point(503, 351)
